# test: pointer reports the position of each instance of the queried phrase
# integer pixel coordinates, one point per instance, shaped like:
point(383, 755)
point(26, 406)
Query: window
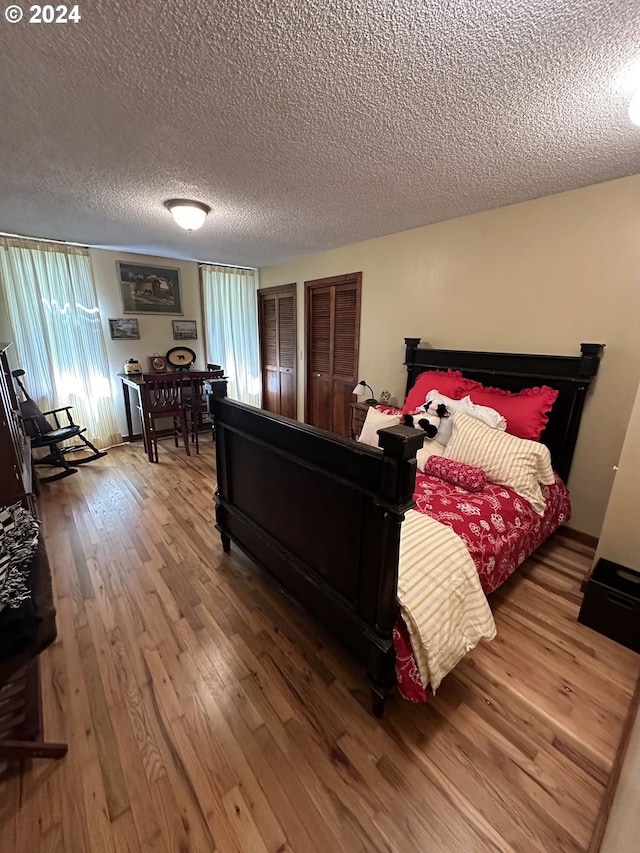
point(57, 331)
point(230, 305)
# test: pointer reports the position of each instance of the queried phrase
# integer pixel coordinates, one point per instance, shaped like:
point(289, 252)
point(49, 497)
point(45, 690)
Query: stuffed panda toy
point(427, 417)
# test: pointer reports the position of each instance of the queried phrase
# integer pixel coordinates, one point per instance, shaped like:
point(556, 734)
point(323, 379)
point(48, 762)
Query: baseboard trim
point(579, 536)
point(614, 776)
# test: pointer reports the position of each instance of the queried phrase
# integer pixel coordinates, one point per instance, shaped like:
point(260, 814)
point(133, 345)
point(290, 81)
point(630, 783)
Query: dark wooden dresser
point(16, 476)
point(34, 621)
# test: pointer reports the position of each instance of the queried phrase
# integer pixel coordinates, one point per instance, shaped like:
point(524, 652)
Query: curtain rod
point(43, 240)
point(222, 264)
point(83, 246)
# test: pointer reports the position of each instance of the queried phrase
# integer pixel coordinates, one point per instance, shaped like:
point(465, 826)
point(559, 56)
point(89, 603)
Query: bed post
point(587, 367)
point(222, 486)
point(410, 348)
point(400, 445)
point(590, 359)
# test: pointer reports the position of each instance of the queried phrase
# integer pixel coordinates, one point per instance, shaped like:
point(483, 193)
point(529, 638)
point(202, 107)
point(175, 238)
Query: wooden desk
point(134, 382)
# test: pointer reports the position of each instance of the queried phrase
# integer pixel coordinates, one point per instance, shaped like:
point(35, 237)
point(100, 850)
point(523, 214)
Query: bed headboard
point(571, 375)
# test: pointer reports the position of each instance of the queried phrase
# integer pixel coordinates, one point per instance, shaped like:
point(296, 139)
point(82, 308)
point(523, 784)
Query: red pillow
point(526, 413)
point(451, 383)
point(466, 476)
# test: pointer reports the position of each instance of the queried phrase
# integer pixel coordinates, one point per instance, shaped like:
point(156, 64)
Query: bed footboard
point(322, 514)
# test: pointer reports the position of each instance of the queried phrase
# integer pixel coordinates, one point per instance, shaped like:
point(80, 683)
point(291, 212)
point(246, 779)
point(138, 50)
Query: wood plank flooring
point(205, 712)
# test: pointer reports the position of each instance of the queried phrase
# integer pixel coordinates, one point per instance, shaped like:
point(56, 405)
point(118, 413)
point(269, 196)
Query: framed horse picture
point(149, 289)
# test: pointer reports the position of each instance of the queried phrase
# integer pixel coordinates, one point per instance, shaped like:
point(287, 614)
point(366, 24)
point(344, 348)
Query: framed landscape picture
point(149, 289)
point(184, 330)
point(125, 329)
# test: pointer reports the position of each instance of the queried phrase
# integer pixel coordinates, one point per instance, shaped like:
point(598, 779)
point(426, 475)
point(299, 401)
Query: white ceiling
point(306, 124)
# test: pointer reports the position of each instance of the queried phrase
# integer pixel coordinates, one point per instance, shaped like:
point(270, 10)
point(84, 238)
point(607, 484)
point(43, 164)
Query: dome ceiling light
point(189, 215)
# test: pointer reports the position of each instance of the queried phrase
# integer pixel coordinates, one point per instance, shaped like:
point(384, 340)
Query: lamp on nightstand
point(361, 389)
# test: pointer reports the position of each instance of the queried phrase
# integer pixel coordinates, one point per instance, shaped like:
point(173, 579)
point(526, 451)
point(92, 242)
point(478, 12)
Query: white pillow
point(374, 421)
point(429, 448)
point(517, 463)
point(486, 414)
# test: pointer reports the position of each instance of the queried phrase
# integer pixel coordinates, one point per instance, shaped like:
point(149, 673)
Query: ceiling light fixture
point(189, 215)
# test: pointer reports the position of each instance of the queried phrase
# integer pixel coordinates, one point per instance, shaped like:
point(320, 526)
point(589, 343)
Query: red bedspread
point(500, 530)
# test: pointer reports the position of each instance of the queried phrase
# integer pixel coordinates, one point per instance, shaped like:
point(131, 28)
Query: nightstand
point(611, 603)
point(358, 415)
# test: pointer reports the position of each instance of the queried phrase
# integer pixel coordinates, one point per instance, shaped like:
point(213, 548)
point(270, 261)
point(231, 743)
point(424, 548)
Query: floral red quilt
point(500, 530)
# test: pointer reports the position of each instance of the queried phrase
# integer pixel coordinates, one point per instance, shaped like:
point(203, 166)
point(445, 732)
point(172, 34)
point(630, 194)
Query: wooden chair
point(195, 402)
point(49, 430)
point(162, 398)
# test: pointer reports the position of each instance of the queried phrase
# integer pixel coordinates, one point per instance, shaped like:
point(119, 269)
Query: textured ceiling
point(306, 124)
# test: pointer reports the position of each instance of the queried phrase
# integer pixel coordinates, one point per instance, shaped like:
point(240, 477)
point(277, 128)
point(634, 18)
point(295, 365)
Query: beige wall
point(542, 276)
point(623, 826)
point(156, 333)
point(620, 536)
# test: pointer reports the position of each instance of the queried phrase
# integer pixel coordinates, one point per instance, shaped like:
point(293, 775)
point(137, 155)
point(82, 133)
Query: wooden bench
point(20, 692)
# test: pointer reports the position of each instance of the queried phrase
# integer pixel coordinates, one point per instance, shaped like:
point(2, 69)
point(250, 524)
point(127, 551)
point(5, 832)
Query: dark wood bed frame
point(322, 513)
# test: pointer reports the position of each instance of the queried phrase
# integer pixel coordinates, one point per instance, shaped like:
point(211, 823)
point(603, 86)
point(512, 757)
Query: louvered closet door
point(287, 354)
point(277, 317)
point(319, 346)
point(345, 354)
point(333, 332)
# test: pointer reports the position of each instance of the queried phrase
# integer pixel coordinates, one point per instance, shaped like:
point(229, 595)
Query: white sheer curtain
point(230, 307)
point(57, 333)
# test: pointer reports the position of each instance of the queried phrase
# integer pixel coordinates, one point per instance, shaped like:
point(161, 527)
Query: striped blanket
point(440, 597)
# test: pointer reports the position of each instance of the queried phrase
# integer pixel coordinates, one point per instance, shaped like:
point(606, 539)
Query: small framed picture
point(124, 329)
point(184, 330)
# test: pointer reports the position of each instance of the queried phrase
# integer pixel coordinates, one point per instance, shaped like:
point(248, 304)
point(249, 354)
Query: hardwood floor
point(204, 711)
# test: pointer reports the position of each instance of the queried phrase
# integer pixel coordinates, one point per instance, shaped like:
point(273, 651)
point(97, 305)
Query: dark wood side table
point(357, 417)
point(611, 603)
